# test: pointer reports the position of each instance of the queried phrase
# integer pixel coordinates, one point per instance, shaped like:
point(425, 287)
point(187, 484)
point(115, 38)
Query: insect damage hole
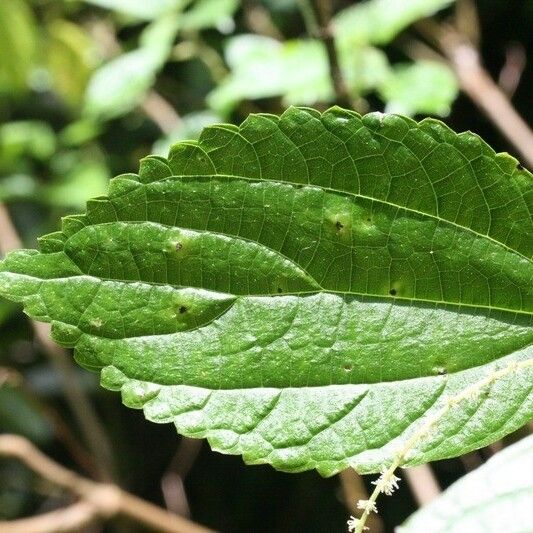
point(182, 309)
point(392, 291)
point(339, 225)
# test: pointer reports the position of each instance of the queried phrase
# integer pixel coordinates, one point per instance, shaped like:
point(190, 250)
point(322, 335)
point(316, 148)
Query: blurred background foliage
point(87, 88)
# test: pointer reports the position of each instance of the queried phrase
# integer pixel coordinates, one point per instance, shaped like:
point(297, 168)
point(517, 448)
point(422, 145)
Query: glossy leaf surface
point(303, 290)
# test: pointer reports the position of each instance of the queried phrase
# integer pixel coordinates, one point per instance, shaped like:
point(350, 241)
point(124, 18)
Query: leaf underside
point(302, 290)
point(493, 498)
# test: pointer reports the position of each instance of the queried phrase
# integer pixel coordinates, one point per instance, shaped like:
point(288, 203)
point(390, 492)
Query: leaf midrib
point(385, 297)
point(354, 195)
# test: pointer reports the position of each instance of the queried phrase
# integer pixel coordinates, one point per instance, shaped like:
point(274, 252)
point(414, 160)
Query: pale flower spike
point(353, 522)
point(368, 505)
point(387, 482)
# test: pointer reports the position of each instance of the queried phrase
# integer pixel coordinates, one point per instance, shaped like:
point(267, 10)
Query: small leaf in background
point(27, 138)
point(495, 497)
point(85, 180)
point(425, 87)
point(79, 132)
point(160, 34)
point(122, 83)
point(259, 69)
point(305, 290)
point(141, 9)
point(205, 14)
point(70, 59)
point(379, 21)
point(297, 70)
point(18, 45)
point(365, 68)
point(18, 187)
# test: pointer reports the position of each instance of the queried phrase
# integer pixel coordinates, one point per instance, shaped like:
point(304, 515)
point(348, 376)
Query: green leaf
point(18, 187)
point(210, 14)
point(70, 58)
point(493, 498)
point(79, 132)
point(425, 87)
point(18, 38)
point(31, 138)
point(122, 83)
point(379, 21)
point(88, 178)
point(297, 70)
point(303, 290)
point(149, 10)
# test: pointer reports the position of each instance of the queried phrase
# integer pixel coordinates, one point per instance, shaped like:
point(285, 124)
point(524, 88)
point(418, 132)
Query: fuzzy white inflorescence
point(387, 482)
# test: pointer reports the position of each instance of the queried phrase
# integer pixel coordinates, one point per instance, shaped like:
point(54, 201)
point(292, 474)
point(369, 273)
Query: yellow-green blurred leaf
point(211, 14)
point(18, 44)
point(379, 21)
point(25, 138)
point(141, 9)
point(17, 187)
point(70, 59)
point(79, 132)
point(121, 84)
point(297, 70)
point(85, 180)
point(424, 87)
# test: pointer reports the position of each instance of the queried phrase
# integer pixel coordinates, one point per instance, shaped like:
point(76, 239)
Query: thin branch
point(309, 16)
point(471, 460)
point(317, 17)
point(477, 84)
point(353, 490)
point(172, 482)
point(160, 112)
point(79, 403)
point(466, 20)
point(259, 21)
point(106, 500)
point(485, 93)
point(513, 68)
point(14, 379)
point(423, 484)
point(72, 518)
point(9, 239)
